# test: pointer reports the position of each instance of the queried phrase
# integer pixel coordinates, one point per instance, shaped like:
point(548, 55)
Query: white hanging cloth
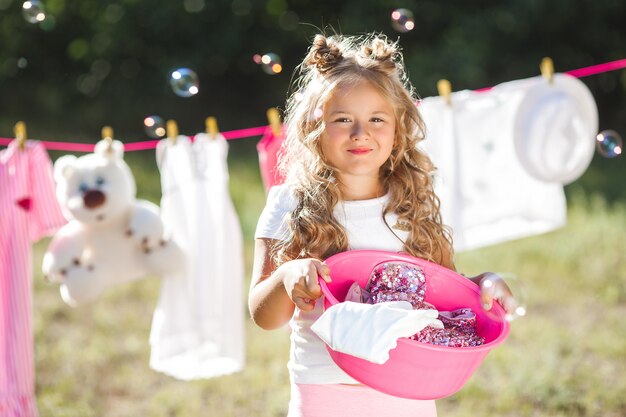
point(198, 325)
point(501, 162)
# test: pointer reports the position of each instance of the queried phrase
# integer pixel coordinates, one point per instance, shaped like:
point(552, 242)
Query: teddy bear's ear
point(63, 167)
point(110, 149)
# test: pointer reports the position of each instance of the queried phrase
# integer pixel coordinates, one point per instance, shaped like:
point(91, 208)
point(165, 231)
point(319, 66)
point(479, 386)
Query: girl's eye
point(343, 120)
point(377, 120)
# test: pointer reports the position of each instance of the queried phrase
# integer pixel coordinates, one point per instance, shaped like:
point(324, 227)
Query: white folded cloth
point(370, 331)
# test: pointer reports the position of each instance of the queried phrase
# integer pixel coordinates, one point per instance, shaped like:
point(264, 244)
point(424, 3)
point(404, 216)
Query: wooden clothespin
point(20, 134)
point(107, 135)
point(445, 90)
point(172, 130)
point(547, 69)
point(211, 127)
point(273, 116)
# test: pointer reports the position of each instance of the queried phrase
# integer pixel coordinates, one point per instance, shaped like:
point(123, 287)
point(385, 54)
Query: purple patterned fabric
point(459, 330)
point(397, 281)
point(401, 281)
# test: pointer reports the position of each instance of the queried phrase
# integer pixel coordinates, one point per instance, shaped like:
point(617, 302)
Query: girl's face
point(360, 131)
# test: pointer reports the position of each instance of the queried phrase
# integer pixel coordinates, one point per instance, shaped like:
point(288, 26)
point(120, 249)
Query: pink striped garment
point(29, 210)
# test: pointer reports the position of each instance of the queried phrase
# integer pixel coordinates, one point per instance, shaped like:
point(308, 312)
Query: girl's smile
point(360, 151)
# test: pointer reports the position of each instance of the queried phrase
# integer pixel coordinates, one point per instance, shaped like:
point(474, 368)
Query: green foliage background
point(99, 63)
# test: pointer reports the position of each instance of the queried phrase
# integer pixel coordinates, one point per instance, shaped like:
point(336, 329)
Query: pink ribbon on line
point(585, 72)
point(138, 146)
point(597, 69)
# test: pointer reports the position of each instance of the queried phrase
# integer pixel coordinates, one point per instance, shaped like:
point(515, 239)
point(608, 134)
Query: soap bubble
point(609, 143)
point(270, 62)
point(184, 82)
point(154, 126)
point(48, 24)
point(33, 11)
point(402, 20)
point(516, 307)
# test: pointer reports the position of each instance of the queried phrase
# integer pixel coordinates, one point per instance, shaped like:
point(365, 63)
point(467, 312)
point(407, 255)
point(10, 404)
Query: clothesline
point(258, 131)
point(586, 71)
point(138, 146)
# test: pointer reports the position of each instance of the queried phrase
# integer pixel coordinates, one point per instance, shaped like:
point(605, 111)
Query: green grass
point(565, 358)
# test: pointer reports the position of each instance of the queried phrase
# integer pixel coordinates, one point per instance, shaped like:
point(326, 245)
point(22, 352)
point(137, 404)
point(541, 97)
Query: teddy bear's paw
point(150, 244)
point(144, 238)
point(145, 245)
point(166, 258)
point(65, 251)
point(149, 248)
point(49, 278)
point(57, 274)
point(60, 274)
point(81, 286)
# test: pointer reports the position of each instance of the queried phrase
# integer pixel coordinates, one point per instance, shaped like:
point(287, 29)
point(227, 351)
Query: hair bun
point(380, 49)
point(324, 54)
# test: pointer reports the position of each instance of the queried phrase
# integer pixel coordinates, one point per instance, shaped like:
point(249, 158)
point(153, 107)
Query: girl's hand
point(300, 278)
point(493, 287)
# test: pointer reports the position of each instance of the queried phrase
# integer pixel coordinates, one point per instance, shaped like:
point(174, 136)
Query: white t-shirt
point(309, 361)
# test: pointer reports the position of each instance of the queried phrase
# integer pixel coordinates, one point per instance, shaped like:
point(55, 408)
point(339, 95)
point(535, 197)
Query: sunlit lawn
point(567, 357)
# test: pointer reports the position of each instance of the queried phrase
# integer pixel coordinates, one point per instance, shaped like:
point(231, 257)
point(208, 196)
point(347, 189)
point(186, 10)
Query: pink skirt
point(330, 400)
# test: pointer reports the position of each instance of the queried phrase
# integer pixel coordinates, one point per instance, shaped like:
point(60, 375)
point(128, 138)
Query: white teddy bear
point(111, 237)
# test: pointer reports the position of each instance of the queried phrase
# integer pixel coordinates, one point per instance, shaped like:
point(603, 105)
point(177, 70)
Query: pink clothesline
point(141, 145)
point(257, 131)
point(597, 69)
point(585, 72)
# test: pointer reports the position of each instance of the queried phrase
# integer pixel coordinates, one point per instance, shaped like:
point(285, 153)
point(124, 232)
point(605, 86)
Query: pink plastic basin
point(416, 370)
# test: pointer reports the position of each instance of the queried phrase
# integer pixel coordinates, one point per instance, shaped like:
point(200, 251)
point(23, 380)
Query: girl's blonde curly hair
point(339, 61)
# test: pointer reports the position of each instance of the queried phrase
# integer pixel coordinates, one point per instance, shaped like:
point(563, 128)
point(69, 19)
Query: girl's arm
point(274, 292)
point(268, 302)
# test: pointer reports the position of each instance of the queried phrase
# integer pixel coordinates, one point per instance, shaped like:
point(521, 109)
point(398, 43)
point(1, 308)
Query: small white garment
point(370, 331)
point(488, 193)
point(198, 325)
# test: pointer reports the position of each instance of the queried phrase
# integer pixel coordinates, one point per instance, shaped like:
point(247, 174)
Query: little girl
point(355, 179)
